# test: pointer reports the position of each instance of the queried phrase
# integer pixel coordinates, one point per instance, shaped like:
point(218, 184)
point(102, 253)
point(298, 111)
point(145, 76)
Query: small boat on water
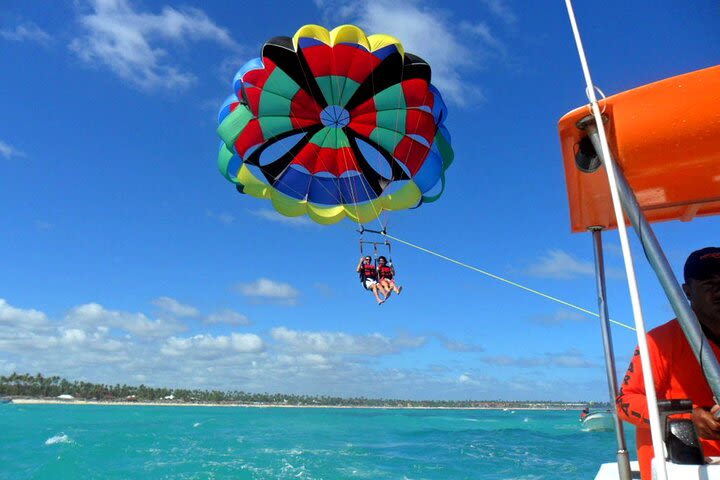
point(598, 421)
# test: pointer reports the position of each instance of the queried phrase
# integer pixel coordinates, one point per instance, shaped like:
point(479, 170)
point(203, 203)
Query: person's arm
point(631, 402)
point(359, 265)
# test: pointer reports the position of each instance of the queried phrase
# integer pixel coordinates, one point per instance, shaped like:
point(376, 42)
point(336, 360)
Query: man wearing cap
point(676, 371)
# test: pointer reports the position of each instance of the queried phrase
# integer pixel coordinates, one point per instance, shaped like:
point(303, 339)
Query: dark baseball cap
point(702, 264)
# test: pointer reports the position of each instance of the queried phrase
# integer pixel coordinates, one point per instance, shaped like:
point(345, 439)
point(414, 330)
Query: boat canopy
point(665, 137)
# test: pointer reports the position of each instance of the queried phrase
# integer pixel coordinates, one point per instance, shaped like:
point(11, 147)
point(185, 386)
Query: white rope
point(653, 413)
point(505, 280)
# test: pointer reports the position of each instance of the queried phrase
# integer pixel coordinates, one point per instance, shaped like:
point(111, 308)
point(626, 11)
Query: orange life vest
point(385, 272)
point(369, 271)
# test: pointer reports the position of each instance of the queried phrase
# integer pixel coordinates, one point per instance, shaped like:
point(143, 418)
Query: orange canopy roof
point(665, 136)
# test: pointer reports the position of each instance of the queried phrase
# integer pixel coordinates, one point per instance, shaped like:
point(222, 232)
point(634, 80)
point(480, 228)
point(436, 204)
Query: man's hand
point(706, 424)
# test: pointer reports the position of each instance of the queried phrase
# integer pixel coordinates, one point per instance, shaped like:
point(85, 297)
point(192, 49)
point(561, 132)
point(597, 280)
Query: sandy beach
point(52, 401)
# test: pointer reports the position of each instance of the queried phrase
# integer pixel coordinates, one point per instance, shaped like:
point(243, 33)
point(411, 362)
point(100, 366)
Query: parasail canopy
point(665, 137)
point(335, 124)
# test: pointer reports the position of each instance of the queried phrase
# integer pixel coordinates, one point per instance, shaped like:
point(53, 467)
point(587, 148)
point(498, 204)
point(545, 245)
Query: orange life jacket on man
point(677, 375)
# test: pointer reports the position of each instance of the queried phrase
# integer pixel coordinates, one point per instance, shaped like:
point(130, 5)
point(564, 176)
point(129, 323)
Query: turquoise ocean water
point(129, 442)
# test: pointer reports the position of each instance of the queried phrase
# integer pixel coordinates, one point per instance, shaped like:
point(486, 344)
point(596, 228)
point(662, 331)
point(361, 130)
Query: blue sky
point(126, 257)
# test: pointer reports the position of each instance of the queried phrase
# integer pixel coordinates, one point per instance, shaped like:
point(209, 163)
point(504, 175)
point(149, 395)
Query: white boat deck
point(711, 471)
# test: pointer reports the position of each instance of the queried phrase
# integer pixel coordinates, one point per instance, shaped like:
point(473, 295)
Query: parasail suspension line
point(504, 280)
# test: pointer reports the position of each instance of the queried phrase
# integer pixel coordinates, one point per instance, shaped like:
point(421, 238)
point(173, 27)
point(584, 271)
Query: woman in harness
point(369, 277)
point(386, 274)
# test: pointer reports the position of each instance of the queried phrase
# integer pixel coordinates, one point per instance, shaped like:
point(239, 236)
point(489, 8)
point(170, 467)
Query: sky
point(127, 258)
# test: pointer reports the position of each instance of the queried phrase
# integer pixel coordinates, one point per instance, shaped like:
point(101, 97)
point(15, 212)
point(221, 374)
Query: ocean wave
point(62, 438)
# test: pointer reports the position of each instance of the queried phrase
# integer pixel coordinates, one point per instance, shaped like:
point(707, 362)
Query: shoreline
point(50, 401)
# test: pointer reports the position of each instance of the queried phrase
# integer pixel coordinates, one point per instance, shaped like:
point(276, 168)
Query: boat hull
point(598, 422)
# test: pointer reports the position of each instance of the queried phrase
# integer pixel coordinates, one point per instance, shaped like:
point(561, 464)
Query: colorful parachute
point(335, 124)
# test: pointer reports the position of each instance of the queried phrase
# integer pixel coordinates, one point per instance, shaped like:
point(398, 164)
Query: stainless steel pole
point(623, 460)
point(661, 266)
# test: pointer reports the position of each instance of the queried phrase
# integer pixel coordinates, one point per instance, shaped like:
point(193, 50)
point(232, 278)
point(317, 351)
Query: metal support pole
point(661, 266)
point(623, 460)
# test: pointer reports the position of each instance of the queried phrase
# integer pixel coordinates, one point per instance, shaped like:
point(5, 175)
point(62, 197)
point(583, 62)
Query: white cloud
point(561, 265)
point(206, 345)
point(128, 42)
point(87, 344)
point(338, 343)
point(8, 151)
point(7, 367)
point(21, 318)
point(27, 31)
point(93, 314)
point(430, 33)
point(228, 317)
point(175, 308)
point(270, 290)
point(273, 216)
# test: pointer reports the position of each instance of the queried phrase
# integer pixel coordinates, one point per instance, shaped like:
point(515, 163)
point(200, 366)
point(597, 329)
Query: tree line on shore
point(39, 386)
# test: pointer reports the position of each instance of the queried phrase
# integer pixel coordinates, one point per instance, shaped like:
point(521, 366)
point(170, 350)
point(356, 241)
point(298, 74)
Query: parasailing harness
point(365, 245)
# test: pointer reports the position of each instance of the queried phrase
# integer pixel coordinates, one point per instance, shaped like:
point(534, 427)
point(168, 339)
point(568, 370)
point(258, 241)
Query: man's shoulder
point(667, 332)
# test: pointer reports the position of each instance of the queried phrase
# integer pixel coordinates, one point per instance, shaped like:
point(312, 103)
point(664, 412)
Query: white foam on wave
point(62, 438)
point(196, 424)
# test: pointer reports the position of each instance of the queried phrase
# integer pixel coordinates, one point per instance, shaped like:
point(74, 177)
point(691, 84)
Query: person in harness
point(369, 277)
point(386, 275)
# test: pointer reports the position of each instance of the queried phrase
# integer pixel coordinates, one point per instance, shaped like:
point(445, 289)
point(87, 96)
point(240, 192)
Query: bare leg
point(375, 292)
point(386, 289)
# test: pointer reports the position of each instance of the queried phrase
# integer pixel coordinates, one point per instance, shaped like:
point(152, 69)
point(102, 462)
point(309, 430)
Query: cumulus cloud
point(175, 308)
point(273, 216)
point(131, 43)
point(87, 344)
point(7, 367)
point(227, 317)
point(26, 32)
point(21, 318)
point(561, 265)
point(209, 346)
point(93, 314)
point(430, 33)
point(338, 343)
point(8, 151)
point(265, 289)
